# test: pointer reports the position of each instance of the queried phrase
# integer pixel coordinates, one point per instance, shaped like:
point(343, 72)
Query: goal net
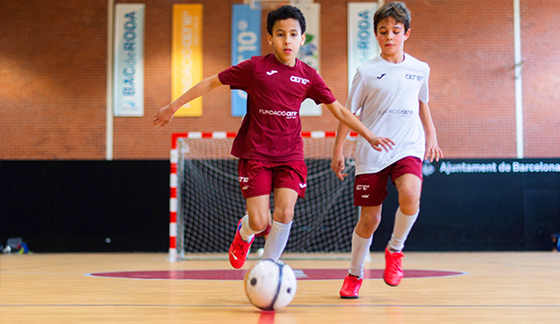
point(206, 201)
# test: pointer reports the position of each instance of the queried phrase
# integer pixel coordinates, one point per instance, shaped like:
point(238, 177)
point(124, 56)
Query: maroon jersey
point(271, 129)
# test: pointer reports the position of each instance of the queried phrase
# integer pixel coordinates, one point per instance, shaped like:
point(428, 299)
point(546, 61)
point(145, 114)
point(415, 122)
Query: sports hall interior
point(89, 192)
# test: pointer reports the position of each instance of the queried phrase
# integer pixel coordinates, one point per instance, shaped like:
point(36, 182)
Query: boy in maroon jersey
point(269, 144)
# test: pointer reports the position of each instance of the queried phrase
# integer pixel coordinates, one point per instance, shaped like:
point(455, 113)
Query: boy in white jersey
point(392, 92)
point(269, 144)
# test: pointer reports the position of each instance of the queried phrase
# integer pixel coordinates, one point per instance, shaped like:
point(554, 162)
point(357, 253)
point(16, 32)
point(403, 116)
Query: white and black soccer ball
point(270, 285)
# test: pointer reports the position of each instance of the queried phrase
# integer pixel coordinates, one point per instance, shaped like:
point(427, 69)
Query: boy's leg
point(409, 187)
point(258, 213)
point(253, 223)
point(362, 237)
point(284, 203)
point(361, 241)
point(266, 231)
point(369, 193)
point(290, 181)
point(255, 180)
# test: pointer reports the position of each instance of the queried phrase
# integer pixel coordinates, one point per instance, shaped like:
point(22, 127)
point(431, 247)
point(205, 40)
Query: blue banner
point(128, 61)
point(362, 44)
point(245, 43)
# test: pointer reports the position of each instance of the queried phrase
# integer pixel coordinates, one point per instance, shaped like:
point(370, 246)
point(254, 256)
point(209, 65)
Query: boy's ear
point(407, 34)
point(302, 39)
point(269, 38)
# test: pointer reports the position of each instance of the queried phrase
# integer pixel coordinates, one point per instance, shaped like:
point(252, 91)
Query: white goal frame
point(174, 236)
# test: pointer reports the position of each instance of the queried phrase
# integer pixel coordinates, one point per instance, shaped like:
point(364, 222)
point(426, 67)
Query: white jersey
point(388, 95)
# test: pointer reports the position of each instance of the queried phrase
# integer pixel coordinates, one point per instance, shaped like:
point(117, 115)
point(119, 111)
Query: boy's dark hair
point(285, 12)
point(396, 10)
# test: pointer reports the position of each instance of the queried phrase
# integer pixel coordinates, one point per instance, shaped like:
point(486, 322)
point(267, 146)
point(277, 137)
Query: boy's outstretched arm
point(433, 151)
point(337, 163)
point(346, 117)
point(165, 114)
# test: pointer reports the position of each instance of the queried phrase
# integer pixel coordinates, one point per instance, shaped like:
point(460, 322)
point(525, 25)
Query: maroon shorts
point(371, 189)
point(257, 178)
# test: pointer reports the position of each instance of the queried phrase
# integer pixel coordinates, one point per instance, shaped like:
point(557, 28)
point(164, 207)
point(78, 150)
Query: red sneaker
point(351, 287)
point(239, 249)
point(393, 268)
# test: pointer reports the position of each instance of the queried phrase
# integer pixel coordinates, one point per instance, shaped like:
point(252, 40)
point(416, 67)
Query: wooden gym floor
point(495, 288)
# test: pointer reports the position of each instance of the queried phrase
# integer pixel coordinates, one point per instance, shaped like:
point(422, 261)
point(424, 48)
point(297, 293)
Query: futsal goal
point(206, 202)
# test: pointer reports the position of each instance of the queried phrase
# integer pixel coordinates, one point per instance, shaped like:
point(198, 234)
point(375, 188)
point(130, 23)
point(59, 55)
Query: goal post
point(206, 201)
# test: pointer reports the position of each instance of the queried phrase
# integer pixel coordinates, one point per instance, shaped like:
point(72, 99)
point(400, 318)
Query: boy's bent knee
point(258, 225)
point(409, 196)
point(283, 215)
point(369, 221)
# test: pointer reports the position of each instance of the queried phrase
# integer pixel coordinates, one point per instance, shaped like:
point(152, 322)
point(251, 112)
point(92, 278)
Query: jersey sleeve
point(238, 76)
point(357, 94)
point(319, 91)
point(424, 94)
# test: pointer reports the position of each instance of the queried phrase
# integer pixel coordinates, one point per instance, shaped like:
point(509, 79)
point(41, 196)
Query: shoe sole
point(388, 284)
point(349, 297)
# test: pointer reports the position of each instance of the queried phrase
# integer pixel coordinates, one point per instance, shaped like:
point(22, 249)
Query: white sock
point(246, 231)
point(276, 241)
point(360, 249)
point(401, 229)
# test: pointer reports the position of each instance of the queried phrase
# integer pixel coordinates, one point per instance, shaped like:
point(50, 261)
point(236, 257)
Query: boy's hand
point(381, 143)
point(337, 165)
point(163, 116)
point(433, 151)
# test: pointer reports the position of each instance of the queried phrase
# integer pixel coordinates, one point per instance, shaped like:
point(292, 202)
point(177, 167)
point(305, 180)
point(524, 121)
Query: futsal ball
point(270, 285)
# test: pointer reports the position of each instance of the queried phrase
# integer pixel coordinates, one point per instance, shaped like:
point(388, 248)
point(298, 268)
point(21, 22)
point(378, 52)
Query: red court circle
point(230, 274)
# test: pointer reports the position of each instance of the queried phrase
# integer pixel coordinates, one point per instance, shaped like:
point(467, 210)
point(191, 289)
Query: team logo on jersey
point(414, 77)
point(244, 181)
point(299, 80)
point(271, 72)
point(280, 113)
point(362, 187)
point(381, 76)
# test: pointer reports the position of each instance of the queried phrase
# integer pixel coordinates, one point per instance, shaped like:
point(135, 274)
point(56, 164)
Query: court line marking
point(291, 306)
point(237, 275)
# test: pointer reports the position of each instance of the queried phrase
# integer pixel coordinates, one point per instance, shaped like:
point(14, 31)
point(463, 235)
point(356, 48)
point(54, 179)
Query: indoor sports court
point(105, 218)
point(144, 288)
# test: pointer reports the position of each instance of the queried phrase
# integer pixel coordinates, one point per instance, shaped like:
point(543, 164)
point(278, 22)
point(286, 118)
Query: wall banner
point(458, 167)
point(186, 55)
point(245, 43)
point(309, 52)
point(362, 44)
point(128, 61)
